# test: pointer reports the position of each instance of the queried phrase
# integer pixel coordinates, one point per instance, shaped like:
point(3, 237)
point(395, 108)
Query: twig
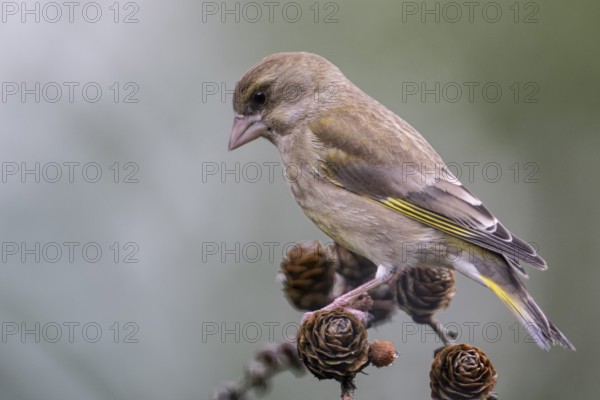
point(348, 389)
point(269, 361)
point(447, 337)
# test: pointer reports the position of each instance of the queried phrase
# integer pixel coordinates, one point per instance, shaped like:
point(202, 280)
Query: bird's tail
point(544, 332)
point(493, 271)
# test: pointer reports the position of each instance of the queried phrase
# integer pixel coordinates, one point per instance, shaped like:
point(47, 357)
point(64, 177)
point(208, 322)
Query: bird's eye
point(259, 98)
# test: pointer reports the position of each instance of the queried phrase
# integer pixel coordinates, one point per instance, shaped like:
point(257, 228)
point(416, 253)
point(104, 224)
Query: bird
point(373, 184)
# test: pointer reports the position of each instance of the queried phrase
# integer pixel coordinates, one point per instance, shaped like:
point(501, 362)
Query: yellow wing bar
point(427, 217)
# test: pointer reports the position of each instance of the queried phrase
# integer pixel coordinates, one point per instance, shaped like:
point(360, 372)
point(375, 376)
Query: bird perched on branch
point(374, 185)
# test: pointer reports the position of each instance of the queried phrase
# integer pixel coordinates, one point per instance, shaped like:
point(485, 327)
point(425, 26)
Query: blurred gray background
point(183, 290)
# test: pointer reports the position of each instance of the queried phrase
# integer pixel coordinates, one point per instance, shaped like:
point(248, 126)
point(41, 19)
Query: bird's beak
point(245, 129)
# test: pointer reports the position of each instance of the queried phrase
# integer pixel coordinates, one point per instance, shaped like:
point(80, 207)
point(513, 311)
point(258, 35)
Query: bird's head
point(280, 92)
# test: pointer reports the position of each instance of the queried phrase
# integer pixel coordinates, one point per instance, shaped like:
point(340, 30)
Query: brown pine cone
point(333, 344)
point(462, 372)
point(425, 290)
point(309, 271)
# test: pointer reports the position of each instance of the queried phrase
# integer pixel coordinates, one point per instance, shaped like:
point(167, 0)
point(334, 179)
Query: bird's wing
point(427, 192)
